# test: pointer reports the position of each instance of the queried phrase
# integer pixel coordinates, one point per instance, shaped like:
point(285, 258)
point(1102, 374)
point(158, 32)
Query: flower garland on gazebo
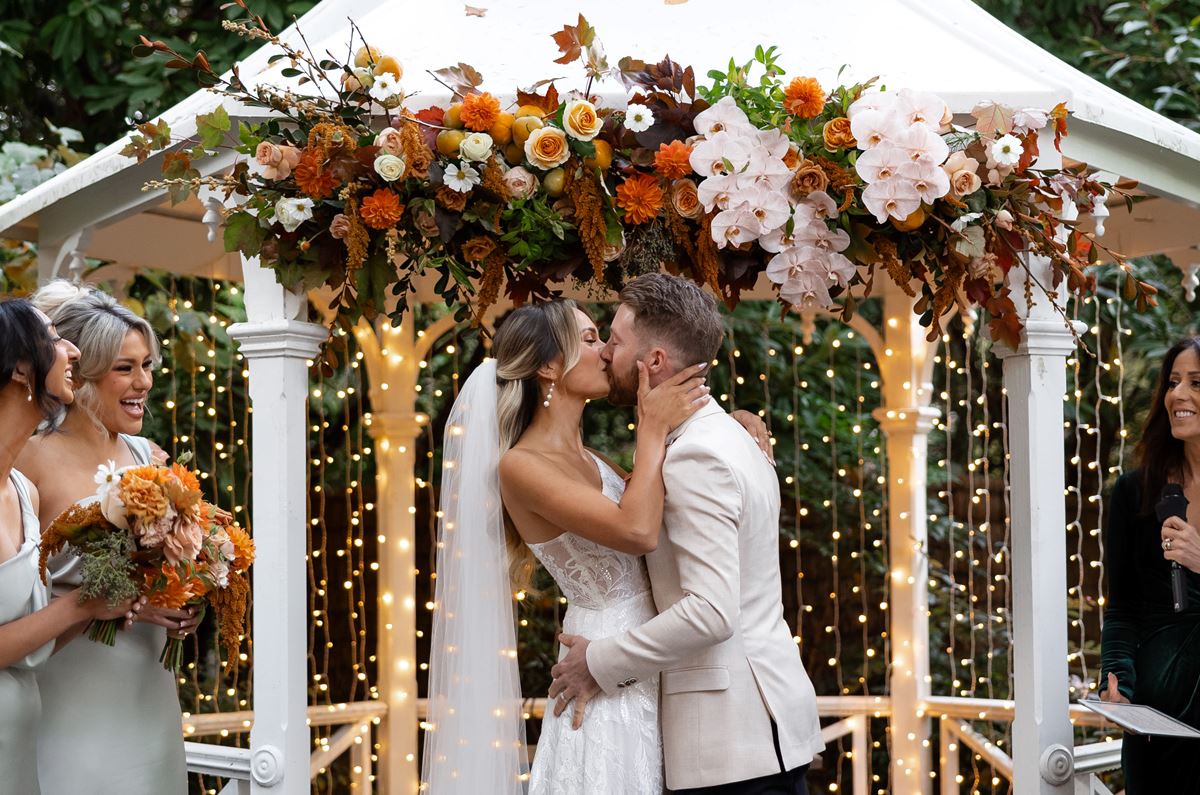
point(345, 187)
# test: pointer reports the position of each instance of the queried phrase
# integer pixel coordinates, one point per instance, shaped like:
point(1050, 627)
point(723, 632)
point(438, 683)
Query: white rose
point(390, 167)
point(476, 147)
point(520, 183)
point(293, 212)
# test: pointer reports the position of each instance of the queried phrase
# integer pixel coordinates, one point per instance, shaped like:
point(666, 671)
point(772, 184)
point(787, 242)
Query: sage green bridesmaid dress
point(21, 593)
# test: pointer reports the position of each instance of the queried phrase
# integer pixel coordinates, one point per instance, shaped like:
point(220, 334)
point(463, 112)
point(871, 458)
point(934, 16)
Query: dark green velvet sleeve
point(1119, 638)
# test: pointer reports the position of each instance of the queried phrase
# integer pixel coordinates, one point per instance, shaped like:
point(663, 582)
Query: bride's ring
point(1167, 545)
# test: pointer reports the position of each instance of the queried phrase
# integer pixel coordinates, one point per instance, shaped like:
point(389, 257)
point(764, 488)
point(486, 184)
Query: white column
point(392, 356)
point(277, 349)
point(906, 418)
point(1035, 381)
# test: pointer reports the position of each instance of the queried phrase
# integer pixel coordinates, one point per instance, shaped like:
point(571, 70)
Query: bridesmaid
point(35, 383)
point(115, 709)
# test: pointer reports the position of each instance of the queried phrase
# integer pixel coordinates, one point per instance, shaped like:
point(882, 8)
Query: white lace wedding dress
point(619, 749)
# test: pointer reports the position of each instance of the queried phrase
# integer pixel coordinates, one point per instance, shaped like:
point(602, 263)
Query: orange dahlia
point(381, 210)
point(640, 197)
point(165, 589)
point(479, 111)
point(804, 97)
point(243, 547)
point(671, 160)
point(313, 180)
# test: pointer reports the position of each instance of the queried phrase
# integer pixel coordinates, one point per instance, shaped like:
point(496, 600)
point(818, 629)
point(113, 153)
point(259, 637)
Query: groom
point(738, 712)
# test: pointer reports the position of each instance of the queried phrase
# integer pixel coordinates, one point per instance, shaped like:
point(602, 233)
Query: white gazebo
point(98, 209)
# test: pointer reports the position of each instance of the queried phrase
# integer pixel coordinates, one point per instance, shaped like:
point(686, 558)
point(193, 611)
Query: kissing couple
point(677, 670)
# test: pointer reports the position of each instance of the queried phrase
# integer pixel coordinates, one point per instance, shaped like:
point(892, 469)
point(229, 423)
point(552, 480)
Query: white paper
point(1140, 719)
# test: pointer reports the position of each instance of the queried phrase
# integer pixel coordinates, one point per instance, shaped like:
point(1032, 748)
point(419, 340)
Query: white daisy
point(461, 177)
point(1007, 150)
point(386, 86)
point(638, 118)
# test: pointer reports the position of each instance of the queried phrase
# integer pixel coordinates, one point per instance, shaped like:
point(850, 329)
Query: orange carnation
point(186, 476)
point(243, 547)
point(479, 111)
point(671, 160)
point(804, 97)
point(143, 498)
point(381, 210)
point(313, 180)
point(640, 197)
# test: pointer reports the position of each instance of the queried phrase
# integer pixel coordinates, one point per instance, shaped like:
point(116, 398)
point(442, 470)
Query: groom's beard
point(622, 391)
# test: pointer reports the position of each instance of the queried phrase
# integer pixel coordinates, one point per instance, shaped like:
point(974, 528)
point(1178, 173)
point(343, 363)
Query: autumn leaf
point(548, 102)
point(462, 79)
point(474, 11)
point(992, 117)
point(572, 39)
point(211, 127)
point(1059, 116)
point(1029, 150)
point(1006, 328)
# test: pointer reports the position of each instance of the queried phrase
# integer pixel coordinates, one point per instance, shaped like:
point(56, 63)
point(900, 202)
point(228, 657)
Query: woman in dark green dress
point(1151, 654)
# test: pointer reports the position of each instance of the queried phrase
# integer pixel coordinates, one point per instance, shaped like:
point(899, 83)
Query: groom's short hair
point(675, 313)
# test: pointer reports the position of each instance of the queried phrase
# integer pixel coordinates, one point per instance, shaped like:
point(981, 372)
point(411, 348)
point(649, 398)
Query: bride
point(518, 486)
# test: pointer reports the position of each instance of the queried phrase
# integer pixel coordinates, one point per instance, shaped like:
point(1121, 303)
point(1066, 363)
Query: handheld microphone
point(1173, 503)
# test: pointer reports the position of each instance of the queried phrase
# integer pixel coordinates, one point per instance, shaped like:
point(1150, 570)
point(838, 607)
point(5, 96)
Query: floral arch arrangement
point(345, 187)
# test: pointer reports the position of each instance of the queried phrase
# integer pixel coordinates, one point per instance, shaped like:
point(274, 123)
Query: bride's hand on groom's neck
point(663, 408)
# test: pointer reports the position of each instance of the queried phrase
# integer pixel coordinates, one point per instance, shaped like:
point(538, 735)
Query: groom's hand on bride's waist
point(572, 679)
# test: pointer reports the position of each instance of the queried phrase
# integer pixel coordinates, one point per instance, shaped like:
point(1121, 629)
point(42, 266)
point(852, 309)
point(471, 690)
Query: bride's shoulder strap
point(609, 462)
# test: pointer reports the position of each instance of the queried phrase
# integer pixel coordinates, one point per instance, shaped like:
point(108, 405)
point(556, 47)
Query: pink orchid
point(895, 197)
point(820, 236)
point(920, 107)
point(734, 227)
point(1029, 119)
point(724, 115)
point(873, 127)
point(716, 191)
point(715, 155)
point(774, 142)
point(928, 180)
point(841, 269)
point(880, 101)
point(923, 144)
point(764, 168)
point(820, 204)
point(882, 162)
point(768, 206)
point(806, 291)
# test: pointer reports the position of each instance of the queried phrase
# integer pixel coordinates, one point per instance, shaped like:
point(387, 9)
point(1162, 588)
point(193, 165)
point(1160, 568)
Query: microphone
point(1173, 503)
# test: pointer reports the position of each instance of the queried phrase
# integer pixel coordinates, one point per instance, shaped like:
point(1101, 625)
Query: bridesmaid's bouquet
point(150, 532)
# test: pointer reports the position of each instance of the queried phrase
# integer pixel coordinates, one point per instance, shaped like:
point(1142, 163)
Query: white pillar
point(906, 418)
point(277, 348)
point(393, 356)
point(1035, 380)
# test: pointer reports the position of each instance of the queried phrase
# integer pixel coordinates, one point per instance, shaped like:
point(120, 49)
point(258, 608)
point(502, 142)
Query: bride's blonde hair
point(530, 338)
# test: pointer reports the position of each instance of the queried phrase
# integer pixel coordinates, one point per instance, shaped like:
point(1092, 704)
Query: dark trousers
point(785, 782)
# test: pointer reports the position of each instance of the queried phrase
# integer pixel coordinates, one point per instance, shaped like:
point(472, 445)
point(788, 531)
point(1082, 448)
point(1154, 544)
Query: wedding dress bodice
point(619, 748)
point(588, 574)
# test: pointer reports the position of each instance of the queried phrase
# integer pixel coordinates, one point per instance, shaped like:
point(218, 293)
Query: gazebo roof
point(950, 47)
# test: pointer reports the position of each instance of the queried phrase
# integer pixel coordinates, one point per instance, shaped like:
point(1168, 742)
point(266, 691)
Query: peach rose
point(580, 120)
point(520, 183)
point(478, 248)
point(339, 227)
point(390, 141)
point(546, 148)
point(837, 135)
point(809, 178)
point(426, 223)
point(684, 199)
point(276, 161)
point(964, 183)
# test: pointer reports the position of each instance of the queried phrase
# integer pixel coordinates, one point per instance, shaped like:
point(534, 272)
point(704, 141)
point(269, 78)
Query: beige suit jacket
point(727, 660)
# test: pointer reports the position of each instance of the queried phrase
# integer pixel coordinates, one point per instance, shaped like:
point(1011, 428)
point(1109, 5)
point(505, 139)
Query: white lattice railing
point(853, 712)
point(233, 764)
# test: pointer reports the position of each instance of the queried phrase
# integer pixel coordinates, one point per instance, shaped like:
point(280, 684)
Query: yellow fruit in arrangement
point(554, 182)
point(448, 142)
point(501, 131)
point(366, 56)
point(529, 110)
point(389, 64)
point(453, 117)
point(603, 157)
point(523, 126)
point(912, 222)
point(514, 153)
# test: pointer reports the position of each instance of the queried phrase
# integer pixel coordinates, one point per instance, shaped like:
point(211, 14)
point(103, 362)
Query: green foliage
point(70, 60)
point(106, 569)
point(536, 232)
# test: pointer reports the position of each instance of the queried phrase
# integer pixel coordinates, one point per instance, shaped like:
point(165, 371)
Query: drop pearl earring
point(549, 394)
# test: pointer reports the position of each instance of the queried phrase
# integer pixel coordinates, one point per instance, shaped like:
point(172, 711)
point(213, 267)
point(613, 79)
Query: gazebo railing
point(354, 720)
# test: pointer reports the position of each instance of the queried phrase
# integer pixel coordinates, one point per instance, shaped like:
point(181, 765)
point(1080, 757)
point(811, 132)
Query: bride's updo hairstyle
point(529, 339)
point(97, 325)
